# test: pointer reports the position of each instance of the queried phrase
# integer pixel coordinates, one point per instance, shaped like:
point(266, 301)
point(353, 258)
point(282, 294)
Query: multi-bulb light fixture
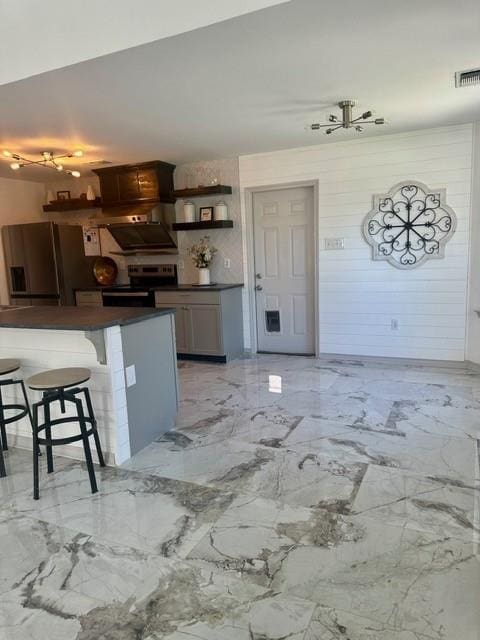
point(48, 161)
point(347, 121)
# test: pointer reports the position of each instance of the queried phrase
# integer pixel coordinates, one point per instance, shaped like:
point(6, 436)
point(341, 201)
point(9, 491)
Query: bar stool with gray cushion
point(7, 367)
point(62, 386)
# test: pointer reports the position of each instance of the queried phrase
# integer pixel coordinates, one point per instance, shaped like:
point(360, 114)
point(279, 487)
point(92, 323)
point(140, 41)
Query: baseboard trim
point(64, 450)
point(425, 362)
point(201, 358)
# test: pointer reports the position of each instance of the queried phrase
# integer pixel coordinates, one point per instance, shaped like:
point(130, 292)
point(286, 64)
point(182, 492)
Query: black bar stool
point(61, 385)
point(8, 366)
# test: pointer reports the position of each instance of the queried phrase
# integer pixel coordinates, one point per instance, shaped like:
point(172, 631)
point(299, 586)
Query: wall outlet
point(394, 324)
point(334, 244)
point(180, 265)
point(130, 375)
point(226, 263)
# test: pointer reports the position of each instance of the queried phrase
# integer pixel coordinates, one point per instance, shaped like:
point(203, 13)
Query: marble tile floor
point(343, 506)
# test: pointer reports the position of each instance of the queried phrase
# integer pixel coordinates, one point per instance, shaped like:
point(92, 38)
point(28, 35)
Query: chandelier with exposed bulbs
point(347, 121)
point(48, 161)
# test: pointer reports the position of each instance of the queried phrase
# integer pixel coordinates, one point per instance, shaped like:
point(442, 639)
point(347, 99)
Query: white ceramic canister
point(188, 212)
point(221, 211)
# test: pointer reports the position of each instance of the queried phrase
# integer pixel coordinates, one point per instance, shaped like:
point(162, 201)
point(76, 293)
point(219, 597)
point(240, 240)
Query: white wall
point(20, 201)
point(358, 297)
point(473, 321)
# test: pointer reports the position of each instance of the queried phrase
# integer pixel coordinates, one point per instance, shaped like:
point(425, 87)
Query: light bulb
point(59, 167)
point(7, 154)
point(15, 166)
point(78, 153)
point(76, 174)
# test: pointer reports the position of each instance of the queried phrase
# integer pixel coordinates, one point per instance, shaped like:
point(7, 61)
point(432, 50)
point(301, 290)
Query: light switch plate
point(226, 263)
point(334, 244)
point(130, 375)
point(181, 265)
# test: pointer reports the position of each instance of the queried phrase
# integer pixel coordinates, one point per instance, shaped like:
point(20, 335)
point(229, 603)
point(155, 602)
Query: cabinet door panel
point(180, 325)
point(205, 329)
point(109, 188)
point(128, 185)
point(147, 184)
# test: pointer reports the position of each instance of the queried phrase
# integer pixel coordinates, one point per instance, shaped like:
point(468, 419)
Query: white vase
point(90, 193)
point(203, 276)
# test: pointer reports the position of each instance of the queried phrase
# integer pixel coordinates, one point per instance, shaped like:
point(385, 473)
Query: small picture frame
point(63, 195)
point(206, 214)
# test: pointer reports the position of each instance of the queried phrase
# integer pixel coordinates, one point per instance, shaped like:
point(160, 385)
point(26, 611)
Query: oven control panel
point(152, 271)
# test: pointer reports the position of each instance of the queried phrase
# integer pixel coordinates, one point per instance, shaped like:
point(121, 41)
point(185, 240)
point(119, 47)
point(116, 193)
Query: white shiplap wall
point(358, 297)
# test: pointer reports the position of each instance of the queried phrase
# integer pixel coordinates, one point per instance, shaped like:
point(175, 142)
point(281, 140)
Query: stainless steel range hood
point(142, 229)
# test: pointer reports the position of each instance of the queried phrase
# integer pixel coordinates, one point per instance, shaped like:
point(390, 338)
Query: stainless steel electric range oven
point(141, 290)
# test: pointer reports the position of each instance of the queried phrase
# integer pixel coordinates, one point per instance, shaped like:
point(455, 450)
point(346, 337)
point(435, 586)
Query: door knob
point(259, 287)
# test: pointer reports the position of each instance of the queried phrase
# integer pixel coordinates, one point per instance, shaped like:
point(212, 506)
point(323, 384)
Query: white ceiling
point(252, 83)
point(41, 36)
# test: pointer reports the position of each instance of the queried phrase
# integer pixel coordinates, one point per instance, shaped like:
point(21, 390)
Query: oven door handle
point(126, 294)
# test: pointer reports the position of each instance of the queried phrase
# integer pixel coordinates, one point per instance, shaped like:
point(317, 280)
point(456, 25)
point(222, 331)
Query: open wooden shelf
point(73, 204)
point(199, 192)
point(213, 224)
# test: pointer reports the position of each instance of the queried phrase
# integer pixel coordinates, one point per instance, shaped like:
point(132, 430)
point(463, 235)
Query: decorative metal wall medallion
point(409, 224)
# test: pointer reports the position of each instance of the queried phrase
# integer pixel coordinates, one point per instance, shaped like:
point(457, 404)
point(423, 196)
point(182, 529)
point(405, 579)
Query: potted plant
point(202, 255)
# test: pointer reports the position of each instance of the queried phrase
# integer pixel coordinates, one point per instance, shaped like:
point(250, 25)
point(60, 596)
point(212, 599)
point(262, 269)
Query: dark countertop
point(173, 287)
point(191, 287)
point(75, 318)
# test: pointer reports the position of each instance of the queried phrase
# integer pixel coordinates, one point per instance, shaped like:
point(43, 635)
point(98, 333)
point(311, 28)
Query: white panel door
point(284, 270)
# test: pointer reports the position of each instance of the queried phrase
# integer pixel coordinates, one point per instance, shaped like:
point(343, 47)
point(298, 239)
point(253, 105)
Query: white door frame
point(249, 193)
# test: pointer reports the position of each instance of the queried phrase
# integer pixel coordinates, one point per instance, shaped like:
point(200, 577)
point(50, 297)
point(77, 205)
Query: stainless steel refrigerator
point(45, 262)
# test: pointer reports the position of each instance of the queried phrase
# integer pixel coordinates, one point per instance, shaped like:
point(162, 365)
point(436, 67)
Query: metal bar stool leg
point(3, 431)
point(27, 405)
point(36, 448)
point(91, 415)
point(48, 436)
point(86, 446)
point(3, 471)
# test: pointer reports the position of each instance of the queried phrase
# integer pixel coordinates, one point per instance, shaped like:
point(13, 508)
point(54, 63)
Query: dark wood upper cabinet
point(139, 183)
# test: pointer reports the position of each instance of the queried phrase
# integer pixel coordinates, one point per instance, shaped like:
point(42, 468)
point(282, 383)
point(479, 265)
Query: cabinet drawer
point(187, 297)
point(90, 298)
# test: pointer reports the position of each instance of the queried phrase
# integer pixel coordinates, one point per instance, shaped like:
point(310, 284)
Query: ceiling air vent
point(467, 78)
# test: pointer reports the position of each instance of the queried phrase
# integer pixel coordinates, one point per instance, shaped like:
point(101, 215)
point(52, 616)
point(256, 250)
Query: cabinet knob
point(259, 287)
point(258, 276)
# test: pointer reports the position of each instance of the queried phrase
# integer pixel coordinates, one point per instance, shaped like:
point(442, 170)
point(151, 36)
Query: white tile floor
point(343, 508)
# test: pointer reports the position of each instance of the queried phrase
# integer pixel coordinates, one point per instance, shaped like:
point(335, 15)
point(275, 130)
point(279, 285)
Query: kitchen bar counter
point(191, 287)
point(75, 318)
point(131, 354)
point(219, 286)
